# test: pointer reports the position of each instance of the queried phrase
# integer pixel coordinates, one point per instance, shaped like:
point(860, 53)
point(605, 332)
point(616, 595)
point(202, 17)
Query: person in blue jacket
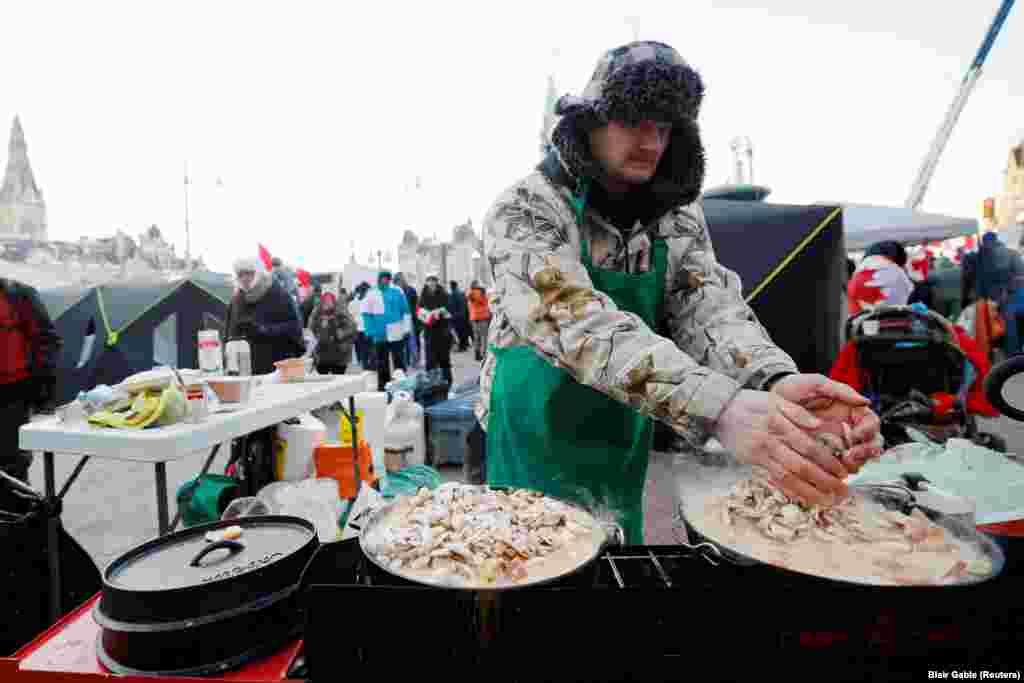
point(387, 320)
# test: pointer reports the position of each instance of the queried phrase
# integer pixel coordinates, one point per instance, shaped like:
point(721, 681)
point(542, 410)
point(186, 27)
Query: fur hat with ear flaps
point(638, 81)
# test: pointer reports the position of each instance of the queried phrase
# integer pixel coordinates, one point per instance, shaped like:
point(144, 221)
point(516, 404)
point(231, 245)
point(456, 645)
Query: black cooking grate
point(650, 567)
point(648, 613)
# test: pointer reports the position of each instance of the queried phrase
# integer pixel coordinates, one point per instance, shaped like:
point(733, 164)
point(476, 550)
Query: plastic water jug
point(297, 439)
point(404, 440)
point(211, 359)
point(238, 357)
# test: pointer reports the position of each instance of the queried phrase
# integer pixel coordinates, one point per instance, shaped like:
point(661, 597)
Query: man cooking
point(610, 308)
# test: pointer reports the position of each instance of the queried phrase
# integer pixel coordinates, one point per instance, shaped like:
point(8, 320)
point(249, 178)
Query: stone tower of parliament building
point(22, 207)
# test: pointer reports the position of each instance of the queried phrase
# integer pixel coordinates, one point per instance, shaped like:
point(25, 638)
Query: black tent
point(792, 262)
point(115, 330)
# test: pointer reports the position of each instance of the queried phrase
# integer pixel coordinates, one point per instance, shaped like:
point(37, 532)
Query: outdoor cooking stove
point(645, 611)
point(648, 611)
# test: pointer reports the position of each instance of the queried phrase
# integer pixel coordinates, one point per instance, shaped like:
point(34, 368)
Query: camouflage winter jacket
point(543, 296)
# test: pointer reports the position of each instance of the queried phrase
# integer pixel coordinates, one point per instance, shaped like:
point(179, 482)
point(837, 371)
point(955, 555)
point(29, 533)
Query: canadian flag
point(877, 281)
point(265, 257)
point(918, 267)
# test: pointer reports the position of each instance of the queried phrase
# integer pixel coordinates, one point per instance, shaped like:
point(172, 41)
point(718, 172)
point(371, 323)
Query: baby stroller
point(916, 375)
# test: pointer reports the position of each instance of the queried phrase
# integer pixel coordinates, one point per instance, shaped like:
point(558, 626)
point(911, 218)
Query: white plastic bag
point(249, 506)
point(367, 501)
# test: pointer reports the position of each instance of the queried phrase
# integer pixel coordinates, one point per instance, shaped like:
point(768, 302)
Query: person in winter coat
point(969, 278)
point(29, 347)
point(460, 315)
point(433, 314)
point(479, 317)
point(941, 290)
point(881, 278)
point(610, 309)
point(387, 321)
point(335, 333)
point(1000, 270)
point(999, 277)
point(285, 277)
point(355, 308)
point(265, 315)
point(310, 303)
point(412, 346)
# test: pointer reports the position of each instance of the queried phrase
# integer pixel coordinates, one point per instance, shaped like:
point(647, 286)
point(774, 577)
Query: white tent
point(864, 225)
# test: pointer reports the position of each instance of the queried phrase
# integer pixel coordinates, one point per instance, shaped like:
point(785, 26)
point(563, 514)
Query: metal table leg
point(52, 538)
point(206, 468)
point(163, 519)
point(350, 415)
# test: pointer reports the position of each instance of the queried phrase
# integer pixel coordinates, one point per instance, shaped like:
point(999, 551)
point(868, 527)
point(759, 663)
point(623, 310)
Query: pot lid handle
point(233, 546)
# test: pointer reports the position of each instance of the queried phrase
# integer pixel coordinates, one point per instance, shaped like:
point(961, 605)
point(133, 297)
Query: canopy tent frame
point(866, 224)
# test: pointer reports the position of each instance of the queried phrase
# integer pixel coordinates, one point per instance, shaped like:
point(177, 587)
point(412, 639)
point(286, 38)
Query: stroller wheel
point(991, 441)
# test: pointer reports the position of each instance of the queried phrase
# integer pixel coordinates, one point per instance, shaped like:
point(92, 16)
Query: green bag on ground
point(407, 481)
point(205, 498)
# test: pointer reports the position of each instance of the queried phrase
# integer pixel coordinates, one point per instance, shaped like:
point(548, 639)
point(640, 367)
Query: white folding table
point(269, 404)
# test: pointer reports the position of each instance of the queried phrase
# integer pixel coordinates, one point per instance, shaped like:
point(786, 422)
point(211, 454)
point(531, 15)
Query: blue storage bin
point(448, 424)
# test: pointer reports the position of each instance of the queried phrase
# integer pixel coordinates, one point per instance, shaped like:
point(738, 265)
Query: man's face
point(385, 282)
point(246, 278)
point(630, 154)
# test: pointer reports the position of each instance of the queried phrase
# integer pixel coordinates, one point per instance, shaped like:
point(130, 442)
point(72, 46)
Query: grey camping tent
point(114, 330)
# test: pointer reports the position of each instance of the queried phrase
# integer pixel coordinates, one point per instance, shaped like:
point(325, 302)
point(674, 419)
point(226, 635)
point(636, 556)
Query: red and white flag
point(918, 267)
point(265, 257)
point(878, 281)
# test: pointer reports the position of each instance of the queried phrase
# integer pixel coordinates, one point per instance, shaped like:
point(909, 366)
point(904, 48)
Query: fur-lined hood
point(261, 282)
point(641, 80)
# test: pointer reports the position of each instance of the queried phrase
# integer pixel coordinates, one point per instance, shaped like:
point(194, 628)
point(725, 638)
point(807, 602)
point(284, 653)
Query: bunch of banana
point(144, 409)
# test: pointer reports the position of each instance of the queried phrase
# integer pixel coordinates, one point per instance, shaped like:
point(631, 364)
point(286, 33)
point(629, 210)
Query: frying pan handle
point(615, 534)
point(708, 550)
point(233, 546)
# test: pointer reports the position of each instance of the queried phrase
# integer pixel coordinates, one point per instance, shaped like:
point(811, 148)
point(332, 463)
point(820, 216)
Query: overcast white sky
point(318, 117)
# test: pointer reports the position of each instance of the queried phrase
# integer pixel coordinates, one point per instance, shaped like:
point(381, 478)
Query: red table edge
point(10, 666)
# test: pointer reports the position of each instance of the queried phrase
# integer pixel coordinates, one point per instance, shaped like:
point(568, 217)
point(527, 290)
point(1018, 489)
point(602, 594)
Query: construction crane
point(970, 79)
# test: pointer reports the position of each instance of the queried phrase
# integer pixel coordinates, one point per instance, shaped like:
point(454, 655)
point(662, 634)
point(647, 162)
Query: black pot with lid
point(197, 603)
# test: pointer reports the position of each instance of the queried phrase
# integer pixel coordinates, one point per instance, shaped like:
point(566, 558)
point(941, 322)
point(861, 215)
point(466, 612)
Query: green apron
point(548, 432)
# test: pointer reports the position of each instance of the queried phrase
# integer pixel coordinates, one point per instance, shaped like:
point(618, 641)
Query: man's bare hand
point(774, 436)
point(842, 410)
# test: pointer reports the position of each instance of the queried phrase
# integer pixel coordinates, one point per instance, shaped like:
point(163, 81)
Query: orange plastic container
point(333, 460)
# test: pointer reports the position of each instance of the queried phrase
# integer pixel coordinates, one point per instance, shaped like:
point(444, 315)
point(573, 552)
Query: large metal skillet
point(482, 604)
point(703, 477)
point(376, 519)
